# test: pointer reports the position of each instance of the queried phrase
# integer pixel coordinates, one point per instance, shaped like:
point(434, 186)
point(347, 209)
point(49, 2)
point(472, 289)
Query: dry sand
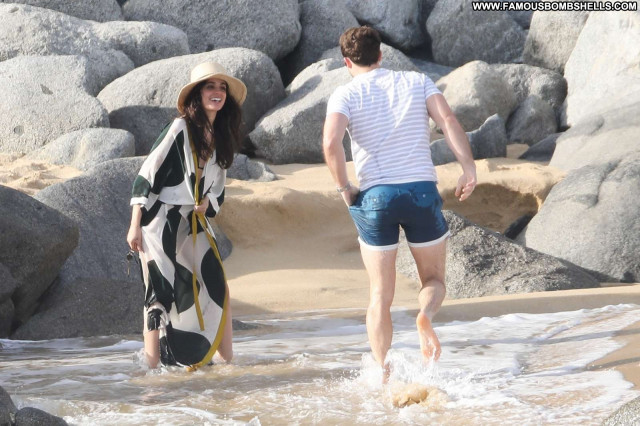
point(30, 176)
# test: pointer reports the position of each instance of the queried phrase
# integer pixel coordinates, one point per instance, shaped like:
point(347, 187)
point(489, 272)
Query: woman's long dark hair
point(226, 127)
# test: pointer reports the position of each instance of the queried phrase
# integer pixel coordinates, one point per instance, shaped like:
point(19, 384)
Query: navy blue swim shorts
point(380, 210)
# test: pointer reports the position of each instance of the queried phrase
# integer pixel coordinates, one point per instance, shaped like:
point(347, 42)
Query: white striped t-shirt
point(388, 125)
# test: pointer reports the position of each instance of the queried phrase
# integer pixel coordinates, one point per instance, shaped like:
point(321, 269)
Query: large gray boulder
point(489, 141)
point(460, 35)
point(29, 416)
point(87, 307)
point(322, 24)
point(291, 132)
point(8, 284)
point(398, 22)
point(591, 219)
point(144, 100)
point(243, 168)
point(481, 262)
point(552, 37)
point(39, 105)
point(83, 149)
point(433, 70)
point(627, 415)
point(271, 26)
point(60, 34)
point(602, 137)
point(35, 241)
point(542, 150)
point(92, 10)
point(475, 92)
point(528, 80)
point(531, 122)
point(602, 71)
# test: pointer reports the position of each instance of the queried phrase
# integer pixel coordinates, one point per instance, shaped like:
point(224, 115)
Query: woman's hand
point(203, 206)
point(134, 237)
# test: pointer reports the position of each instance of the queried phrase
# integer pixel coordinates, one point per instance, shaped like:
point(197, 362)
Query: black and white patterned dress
point(185, 287)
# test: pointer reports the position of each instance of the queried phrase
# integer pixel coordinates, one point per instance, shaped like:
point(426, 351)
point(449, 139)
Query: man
point(387, 115)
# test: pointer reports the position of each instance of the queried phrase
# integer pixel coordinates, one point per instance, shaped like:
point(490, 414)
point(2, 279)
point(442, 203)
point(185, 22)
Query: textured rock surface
point(459, 35)
point(39, 105)
point(531, 122)
point(35, 241)
point(271, 26)
point(94, 10)
point(591, 219)
point(481, 262)
point(84, 149)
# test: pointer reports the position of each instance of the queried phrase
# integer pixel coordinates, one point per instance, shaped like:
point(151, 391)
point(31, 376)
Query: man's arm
point(334, 127)
point(457, 141)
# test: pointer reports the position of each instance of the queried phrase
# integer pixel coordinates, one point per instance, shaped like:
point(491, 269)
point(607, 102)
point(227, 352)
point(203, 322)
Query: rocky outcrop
point(609, 136)
point(481, 262)
point(489, 141)
point(397, 22)
point(531, 122)
point(83, 149)
point(271, 26)
point(144, 100)
point(591, 219)
point(627, 415)
point(92, 10)
point(475, 92)
point(460, 35)
point(527, 80)
point(322, 24)
point(291, 132)
point(35, 241)
point(542, 150)
point(60, 34)
point(39, 105)
point(602, 71)
point(552, 37)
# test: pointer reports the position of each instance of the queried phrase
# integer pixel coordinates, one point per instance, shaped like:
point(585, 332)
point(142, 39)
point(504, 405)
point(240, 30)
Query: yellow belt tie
point(194, 233)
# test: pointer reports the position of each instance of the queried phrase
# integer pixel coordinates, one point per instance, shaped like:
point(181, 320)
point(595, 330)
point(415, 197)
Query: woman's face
point(213, 94)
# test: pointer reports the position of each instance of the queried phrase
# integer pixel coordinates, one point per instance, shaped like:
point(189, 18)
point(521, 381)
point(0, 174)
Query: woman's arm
point(134, 236)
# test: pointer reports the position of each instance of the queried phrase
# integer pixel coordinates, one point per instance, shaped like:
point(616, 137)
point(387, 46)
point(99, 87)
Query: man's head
point(361, 45)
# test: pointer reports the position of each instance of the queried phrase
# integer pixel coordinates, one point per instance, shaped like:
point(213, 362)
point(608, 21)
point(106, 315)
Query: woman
point(187, 315)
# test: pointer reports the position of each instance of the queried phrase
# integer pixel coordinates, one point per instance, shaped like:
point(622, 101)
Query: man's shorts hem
point(430, 243)
point(378, 248)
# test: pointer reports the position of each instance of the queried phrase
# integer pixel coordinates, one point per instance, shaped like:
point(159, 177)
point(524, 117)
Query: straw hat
point(207, 70)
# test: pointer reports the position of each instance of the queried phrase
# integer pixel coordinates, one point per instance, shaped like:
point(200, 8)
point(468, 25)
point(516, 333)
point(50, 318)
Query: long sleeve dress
point(185, 287)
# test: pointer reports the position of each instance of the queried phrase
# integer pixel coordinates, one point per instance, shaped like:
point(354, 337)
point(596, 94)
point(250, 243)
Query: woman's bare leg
point(226, 345)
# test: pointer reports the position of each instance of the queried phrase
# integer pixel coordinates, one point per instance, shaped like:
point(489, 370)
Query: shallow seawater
point(315, 368)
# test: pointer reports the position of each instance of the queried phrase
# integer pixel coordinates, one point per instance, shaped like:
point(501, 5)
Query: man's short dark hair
point(361, 45)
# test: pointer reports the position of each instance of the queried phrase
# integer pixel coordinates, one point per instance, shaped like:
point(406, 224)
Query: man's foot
point(386, 373)
point(429, 343)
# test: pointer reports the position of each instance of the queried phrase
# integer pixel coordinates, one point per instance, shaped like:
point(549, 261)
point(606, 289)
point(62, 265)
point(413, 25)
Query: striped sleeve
point(429, 87)
point(339, 102)
point(150, 173)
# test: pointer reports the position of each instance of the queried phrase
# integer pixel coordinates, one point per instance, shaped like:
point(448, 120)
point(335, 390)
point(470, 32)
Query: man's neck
point(356, 69)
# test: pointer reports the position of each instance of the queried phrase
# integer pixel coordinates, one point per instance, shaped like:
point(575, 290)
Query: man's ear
point(380, 56)
point(347, 62)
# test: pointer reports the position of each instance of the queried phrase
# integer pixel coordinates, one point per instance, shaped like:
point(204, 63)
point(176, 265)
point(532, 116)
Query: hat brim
point(236, 89)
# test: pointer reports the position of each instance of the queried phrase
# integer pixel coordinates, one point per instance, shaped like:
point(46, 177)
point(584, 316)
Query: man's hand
point(350, 195)
point(466, 185)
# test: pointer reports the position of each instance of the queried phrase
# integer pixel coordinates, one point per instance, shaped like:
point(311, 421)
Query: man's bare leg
point(381, 267)
point(430, 262)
